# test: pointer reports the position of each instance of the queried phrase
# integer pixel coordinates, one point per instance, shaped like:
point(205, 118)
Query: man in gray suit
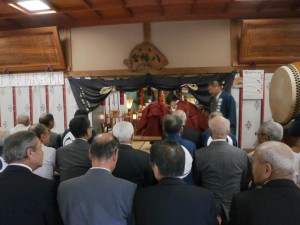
point(73, 160)
point(97, 197)
point(221, 168)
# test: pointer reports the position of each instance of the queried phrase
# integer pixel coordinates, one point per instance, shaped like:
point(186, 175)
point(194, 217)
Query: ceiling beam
point(193, 7)
point(295, 6)
point(126, 10)
point(160, 8)
point(89, 6)
point(228, 6)
point(261, 6)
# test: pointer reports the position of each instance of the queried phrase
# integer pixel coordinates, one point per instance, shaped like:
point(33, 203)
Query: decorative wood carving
point(270, 41)
point(145, 55)
point(30, 50)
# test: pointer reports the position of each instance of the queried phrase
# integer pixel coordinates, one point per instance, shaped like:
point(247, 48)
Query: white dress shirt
point(17, 128)
point(46, 170)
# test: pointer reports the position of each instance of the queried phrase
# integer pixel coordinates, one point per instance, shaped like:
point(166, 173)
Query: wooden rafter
point(137, 11)
point(228, 6)
point(89, 6)
point(263, 5)
point(193, 7)
point(160, 8)
point(127, 11)
point(169, 71)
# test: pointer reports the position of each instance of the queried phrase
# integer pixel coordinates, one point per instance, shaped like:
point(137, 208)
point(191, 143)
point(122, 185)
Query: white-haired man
point(269, 131)
point(132, 165)
point(278, 201)
point(221, 168)
point(23, 122)
point(188, 133)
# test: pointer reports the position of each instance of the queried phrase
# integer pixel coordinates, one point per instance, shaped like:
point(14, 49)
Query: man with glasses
point(278, 201)
point(42, 133)
point(269, 131)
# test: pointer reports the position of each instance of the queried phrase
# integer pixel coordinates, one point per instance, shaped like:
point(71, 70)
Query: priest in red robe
point(152, 119)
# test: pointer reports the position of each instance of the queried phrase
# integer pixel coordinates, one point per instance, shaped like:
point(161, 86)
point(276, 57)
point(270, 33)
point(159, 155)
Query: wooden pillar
point(147, 32)
point(141, 96)
point(180, 94)
point(122, 97)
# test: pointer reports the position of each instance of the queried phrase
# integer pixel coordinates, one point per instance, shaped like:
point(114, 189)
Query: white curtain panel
point(7, 110)
point(39, 102)
point(250, 122)
point(56, 107)
point(22, 100)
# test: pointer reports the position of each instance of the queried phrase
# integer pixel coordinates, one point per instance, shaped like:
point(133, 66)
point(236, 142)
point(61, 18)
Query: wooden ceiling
point(79, 13)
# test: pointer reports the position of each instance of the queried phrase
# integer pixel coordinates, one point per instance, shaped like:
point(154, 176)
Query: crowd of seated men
point(104, 180)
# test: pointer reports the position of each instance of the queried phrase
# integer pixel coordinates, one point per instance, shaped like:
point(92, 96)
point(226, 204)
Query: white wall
point(185, 44)
point(193, 44)
point(104, 47)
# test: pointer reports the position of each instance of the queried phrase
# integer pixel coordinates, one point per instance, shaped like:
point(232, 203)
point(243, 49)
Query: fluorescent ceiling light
point(45, 12)
point(33, 5)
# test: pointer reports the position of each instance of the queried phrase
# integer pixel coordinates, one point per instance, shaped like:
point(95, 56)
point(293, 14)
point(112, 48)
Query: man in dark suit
point(278, 201)
point(172, 201)
point(172, 130)
point(68, 137)
point(55, 139)
point(221, 168)
point(72, 160)
point(188, 133)
point(26, 198)
point(223, 102)
point(97, 197)
point(133, 165)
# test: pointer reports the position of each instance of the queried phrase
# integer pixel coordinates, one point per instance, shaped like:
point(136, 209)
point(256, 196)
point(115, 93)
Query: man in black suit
point(188, 133)
point(72, 160)
point(132, 165)
point(55, 139)
point(278, 201)
point(26, 198)
point(172, 201)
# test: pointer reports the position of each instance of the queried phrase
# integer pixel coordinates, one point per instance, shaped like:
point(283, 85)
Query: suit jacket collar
point(280, 183)
point(175, 137)
point(19, 169)
point(98, 172)
point(215, 143)
point(171, 181)
point(79, 140)
point(125, 147)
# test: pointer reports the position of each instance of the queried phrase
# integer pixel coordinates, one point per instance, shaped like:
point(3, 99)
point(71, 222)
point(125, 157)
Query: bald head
point(23, 119)
point(273, 160)
point(180, 114)
point(214, 114)
point(219, 127)
point(104, 146)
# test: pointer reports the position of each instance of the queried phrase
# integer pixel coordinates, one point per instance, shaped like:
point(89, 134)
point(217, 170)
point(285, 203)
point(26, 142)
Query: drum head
point(283, 95)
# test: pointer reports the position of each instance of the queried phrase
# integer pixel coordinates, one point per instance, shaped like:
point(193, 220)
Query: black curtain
point(90, 93)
